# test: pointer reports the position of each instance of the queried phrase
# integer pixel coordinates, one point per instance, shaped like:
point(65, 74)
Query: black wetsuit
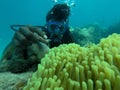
point(67, 38)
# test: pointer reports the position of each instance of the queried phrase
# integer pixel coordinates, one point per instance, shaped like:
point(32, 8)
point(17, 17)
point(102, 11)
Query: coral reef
point(71, 67)
point(20, 60)
point(82, 36)
point(92, 33)
point(87, 34)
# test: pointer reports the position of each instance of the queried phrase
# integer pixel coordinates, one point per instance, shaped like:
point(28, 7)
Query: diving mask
point(56, 30)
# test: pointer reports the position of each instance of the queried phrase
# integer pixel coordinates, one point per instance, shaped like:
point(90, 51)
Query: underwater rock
point(10, 81)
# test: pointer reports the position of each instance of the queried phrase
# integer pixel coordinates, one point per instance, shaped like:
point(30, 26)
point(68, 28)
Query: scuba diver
point(30, 44)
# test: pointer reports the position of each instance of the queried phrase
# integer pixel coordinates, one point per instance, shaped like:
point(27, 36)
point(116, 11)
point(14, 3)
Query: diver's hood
point(60, 12)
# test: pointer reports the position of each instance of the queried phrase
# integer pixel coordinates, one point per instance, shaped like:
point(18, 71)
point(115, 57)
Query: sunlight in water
point(70, 3)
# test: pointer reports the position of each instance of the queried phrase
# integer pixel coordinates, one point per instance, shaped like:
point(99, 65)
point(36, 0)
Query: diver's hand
point(28, 35)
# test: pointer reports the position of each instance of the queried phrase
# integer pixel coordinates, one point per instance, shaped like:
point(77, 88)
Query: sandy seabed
point(9, 81)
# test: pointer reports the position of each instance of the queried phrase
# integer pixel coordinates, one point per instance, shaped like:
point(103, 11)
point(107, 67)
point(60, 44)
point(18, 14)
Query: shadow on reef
point(113, 29)
point(18, 65)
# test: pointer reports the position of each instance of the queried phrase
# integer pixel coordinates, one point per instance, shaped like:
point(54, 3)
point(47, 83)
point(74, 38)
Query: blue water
point(33, 12)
